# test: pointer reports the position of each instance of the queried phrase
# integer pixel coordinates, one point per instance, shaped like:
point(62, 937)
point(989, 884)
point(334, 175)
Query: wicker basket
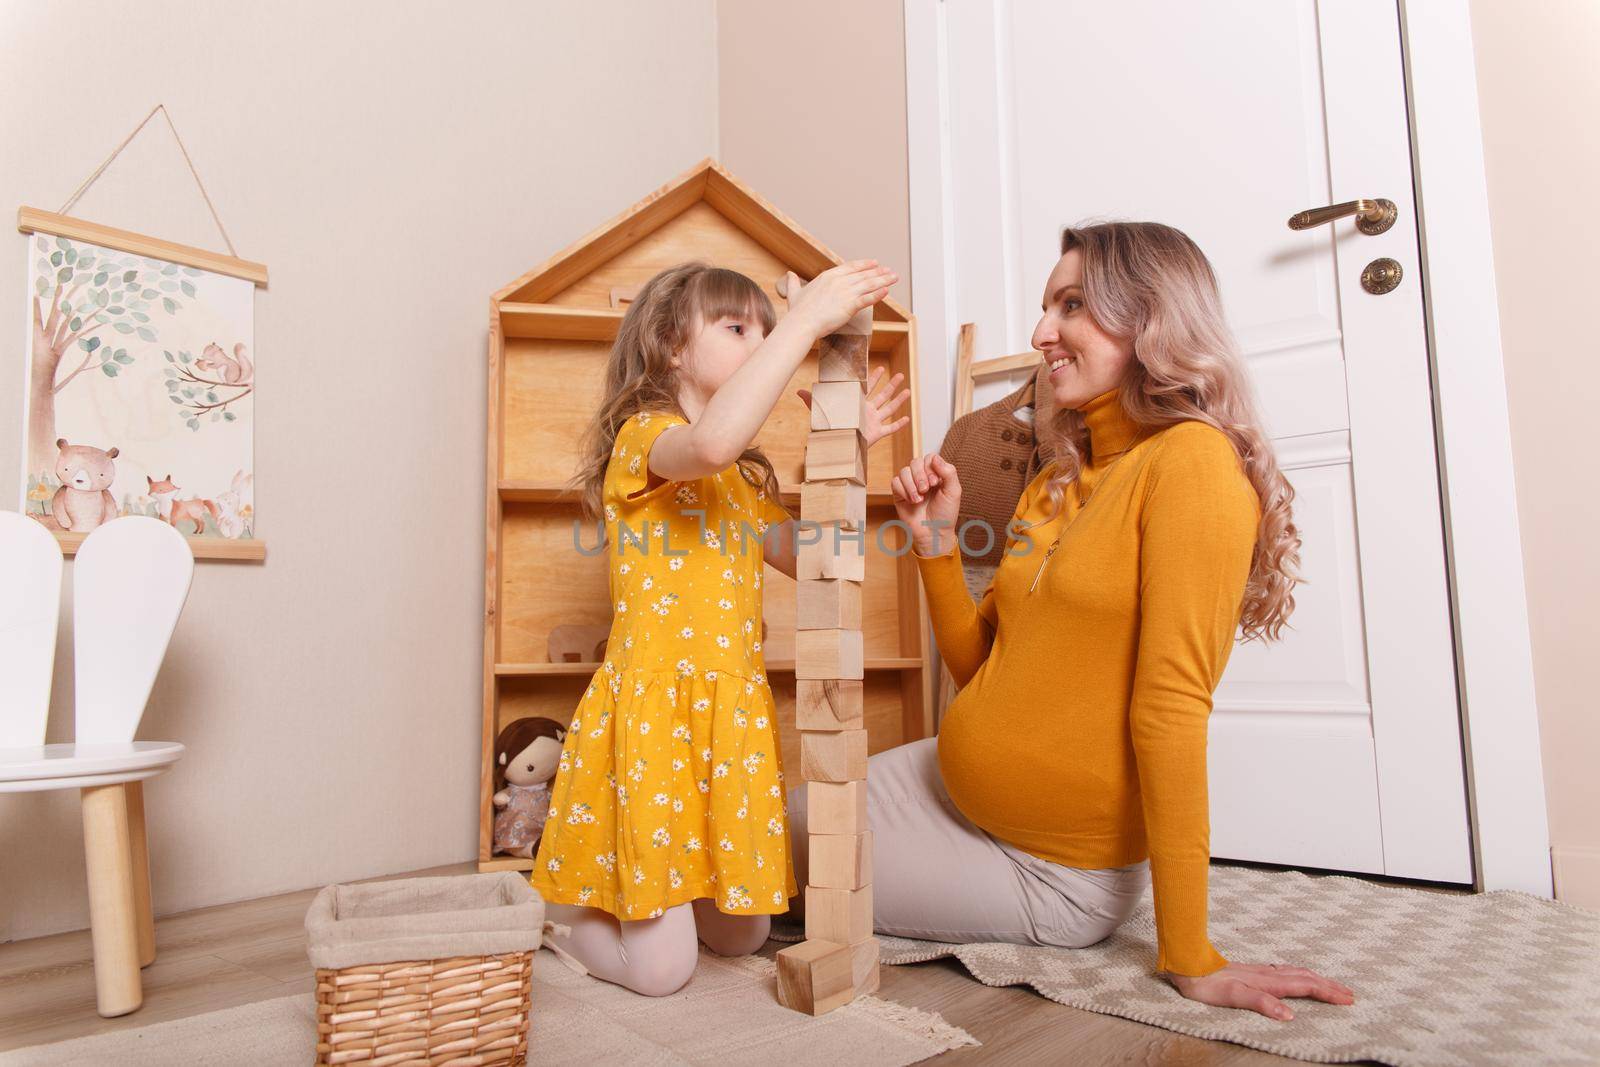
point(412, 998)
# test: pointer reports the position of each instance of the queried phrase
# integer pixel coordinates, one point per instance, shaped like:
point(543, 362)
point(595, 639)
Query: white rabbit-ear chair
point(130, 580)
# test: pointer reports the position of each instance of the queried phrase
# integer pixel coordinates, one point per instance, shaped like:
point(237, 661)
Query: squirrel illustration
point(174, 510)
point(235, 371)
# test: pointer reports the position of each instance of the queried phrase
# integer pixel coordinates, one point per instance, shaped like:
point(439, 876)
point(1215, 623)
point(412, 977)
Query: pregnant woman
point(1070, 770)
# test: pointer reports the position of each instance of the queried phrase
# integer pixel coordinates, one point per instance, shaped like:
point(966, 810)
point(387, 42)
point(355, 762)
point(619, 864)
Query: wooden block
point(836, 454)
point(864, 967)
point(838, 406)
point(843, 916)
point(828, 704)
point(842, 357)
point(827, 604)
point(830, 552)
point(840, 861)
point(835, 501)
point(828, 654)
point(836, 807)
point(816, 976)
point(833, 756)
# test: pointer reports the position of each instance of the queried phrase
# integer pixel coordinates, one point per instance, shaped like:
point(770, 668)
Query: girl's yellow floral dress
point(670, 785)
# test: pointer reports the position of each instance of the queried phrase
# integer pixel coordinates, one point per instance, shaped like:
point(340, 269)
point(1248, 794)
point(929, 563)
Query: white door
point(1339, 747)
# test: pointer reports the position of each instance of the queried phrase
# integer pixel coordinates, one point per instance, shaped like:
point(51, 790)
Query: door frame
point(1483, 543)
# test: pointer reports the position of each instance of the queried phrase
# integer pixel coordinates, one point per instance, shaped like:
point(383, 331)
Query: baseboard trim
point(1577, 874)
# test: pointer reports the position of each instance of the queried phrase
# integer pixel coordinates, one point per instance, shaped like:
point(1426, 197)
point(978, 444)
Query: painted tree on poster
point(84, 300)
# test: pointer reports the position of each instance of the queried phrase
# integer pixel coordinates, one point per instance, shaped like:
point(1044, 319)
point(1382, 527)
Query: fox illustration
point(174, 510)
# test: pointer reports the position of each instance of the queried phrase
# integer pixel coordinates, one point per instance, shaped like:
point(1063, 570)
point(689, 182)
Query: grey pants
point(937, 877)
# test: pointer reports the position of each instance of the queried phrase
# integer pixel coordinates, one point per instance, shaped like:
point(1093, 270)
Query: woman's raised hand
point(927, 498)
point(1260, 987)
point(832, 298)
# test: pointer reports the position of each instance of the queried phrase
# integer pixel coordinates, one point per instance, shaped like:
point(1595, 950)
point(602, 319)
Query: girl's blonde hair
point(659, 324)
point(1151, 283)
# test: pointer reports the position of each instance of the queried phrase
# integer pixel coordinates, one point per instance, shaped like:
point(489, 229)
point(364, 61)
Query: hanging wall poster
point(139, 393)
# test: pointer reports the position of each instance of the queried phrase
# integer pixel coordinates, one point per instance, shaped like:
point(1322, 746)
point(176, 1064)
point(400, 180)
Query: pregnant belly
point(1042, 778)
point(987, 772)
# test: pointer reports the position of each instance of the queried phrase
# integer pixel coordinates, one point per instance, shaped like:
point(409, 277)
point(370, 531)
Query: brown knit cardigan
point(996, 455)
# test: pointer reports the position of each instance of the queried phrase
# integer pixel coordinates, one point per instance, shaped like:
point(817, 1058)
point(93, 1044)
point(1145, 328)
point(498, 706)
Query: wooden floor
point(234, 954)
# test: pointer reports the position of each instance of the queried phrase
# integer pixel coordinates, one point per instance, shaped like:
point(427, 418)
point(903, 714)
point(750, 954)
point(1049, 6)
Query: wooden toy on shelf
point(838, 960)
point(573, 643)
point(550, 331)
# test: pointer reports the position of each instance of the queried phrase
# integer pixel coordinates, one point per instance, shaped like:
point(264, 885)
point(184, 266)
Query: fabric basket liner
point(424, 919)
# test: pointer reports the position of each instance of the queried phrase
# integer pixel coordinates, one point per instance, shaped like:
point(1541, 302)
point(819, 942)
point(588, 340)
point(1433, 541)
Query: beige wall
point(1538, 89)
point(812, 113)
point(415, 158)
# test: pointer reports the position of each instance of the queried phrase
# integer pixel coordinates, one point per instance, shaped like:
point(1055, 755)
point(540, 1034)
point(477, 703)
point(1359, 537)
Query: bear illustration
point(84, 500)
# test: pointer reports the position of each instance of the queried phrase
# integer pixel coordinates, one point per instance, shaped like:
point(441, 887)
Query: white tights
point(657, 956)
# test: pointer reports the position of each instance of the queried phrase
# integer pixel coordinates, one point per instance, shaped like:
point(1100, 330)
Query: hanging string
point(101, 169)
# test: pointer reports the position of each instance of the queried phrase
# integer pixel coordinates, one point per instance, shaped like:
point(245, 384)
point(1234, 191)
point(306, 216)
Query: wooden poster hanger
point(59, 223)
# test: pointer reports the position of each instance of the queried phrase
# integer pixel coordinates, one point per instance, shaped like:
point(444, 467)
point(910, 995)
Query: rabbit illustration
point(235, 507)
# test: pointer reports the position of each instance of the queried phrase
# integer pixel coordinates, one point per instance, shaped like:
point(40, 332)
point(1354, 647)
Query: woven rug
point(1441, 979)
point(728, 1014)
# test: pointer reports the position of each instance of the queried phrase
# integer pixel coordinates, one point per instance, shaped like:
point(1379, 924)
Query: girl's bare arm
point(736, 411)
point(780, 547)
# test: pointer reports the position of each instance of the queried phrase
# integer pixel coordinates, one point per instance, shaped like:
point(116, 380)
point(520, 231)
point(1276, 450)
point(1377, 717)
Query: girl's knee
point(663, 973)
point(738, 936)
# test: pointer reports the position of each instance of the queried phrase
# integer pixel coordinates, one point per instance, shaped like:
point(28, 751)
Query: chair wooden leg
point(141, 874)
point(113, 926)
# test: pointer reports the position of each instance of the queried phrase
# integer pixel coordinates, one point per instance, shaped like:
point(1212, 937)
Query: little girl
point(667, 820)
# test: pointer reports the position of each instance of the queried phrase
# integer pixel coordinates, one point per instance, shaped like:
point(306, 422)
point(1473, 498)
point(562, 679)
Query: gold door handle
point(1372, 216)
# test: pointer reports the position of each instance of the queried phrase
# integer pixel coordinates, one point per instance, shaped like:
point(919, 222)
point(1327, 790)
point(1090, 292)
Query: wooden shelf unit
point(531, 492)
point(549, 337)
point(524, 670)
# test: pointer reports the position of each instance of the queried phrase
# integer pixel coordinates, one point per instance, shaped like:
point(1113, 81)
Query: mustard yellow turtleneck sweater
point(1079, 733)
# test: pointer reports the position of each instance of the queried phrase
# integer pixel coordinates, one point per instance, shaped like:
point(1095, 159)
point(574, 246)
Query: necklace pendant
point(1047, 554)
point(1083, 502)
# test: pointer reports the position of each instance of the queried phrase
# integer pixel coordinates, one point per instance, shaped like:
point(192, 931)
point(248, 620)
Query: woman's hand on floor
point(1259, 987)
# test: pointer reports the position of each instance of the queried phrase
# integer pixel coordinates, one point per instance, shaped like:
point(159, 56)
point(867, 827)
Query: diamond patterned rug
point(1441, 979)
point(727, 1016)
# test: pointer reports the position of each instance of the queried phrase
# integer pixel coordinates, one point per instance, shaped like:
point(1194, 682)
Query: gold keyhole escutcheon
point(1381, 276)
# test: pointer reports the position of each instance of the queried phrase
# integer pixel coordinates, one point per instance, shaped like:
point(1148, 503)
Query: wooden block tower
point(839, 958)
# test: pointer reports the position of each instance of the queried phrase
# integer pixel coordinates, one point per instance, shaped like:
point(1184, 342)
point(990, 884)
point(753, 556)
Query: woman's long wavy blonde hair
point(1150, 283)
point(659, 324)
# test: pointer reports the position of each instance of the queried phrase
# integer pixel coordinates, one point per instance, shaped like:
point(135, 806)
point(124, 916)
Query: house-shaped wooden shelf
point(549, 334)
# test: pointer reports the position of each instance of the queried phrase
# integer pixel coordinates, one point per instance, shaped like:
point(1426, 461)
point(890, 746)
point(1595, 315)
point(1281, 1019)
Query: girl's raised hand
point(880, 406)
point(927, 498)
point(833, 297)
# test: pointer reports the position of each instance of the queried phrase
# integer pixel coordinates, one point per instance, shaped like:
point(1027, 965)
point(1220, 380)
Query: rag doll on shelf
point(527, 753)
